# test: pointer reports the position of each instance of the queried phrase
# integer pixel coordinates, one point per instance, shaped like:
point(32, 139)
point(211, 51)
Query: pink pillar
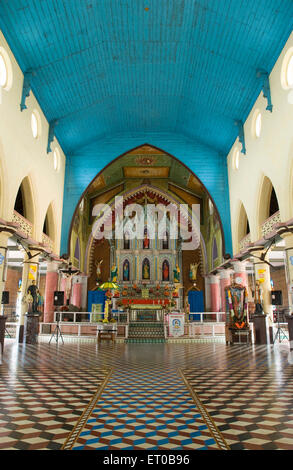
point(225, 280)
point(240, 274)
point(215, 294)
point(63, 288)
point(76, 294)
point(50, 288)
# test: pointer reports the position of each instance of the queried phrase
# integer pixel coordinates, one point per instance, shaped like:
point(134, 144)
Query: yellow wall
point(270, 155)
point(21, 155)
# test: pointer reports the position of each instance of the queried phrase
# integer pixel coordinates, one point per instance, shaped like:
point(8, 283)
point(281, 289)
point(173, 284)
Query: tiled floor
point(141, 396)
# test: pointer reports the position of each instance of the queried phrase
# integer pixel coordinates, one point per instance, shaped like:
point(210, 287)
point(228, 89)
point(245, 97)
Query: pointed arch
point(25, 201)
point(243, 225)
point(197, 179)
point(49, 224)
point(267, 201)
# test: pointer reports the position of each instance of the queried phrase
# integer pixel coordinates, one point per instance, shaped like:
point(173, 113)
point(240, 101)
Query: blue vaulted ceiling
point(120, 73)
point(179, 66)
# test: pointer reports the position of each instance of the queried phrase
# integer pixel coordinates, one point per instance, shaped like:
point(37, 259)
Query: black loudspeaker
point(59, 297)
point(277, 297)
point(5, 297)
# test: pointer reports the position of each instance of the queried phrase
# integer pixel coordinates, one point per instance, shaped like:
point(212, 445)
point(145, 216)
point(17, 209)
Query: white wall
point(21, 155)
point(269, 155)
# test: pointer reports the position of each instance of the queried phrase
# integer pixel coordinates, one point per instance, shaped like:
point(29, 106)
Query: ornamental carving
point(268, 226)
point(24, 225)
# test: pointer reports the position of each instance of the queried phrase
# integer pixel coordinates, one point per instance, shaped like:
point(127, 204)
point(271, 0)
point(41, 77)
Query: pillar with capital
point(51, 286)
point(240, 274)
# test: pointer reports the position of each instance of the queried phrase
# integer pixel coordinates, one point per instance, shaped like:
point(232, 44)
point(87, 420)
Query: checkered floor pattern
point(253, 411)
point(137, 396)
point(145, 409)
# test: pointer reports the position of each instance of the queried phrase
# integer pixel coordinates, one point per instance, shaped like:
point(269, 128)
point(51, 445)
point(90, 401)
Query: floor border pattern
point(215, 432)
point(73, 436)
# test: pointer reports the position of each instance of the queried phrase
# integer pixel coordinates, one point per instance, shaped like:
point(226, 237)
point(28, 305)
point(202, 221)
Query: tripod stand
point(279, 331)
point(57, 333)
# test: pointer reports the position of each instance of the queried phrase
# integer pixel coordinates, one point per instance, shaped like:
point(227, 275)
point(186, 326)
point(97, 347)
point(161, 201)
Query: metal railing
point(205, 317)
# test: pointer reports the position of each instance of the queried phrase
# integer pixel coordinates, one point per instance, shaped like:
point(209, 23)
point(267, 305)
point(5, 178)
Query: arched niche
point(165, 271)
point(126, 271)
point(146, 270)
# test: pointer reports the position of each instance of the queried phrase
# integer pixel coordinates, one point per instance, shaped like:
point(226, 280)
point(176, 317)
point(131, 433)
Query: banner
point(32, 275)
point(176, 324)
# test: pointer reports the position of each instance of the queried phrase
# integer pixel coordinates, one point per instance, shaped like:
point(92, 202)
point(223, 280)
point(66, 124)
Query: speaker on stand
point(5, 301)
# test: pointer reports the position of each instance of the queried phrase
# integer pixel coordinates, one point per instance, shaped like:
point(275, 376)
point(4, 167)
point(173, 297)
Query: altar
point(147, 313)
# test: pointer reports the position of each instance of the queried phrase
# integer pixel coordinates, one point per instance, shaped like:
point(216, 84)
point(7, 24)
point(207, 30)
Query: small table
point(107, 334)
point(240, 334)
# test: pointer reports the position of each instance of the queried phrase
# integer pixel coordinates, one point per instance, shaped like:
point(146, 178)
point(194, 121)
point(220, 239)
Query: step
point(145, 340)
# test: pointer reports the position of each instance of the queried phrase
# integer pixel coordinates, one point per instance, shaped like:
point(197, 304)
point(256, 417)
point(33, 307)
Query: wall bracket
point(264, 76)
point(26, 87)
point(51, 135)
point(241, 136)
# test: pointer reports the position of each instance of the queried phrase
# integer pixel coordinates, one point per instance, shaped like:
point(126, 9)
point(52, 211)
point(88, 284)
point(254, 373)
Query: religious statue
point(34, 293)
point(126, 271)
point(165, 271)
point(258, 299)
point(146, 242)
point(146, 270)
point(99, 270)
point(176, 272)
point(193, 271)
point(114, 273)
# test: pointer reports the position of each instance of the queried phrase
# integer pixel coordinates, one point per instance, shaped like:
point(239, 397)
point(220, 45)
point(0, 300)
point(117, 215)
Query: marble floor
point(88, 396)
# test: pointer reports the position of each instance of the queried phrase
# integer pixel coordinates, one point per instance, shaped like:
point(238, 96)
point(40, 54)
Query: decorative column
point(64, 287)
point(29, 274)
point(51, 287)
point(263, 276)
point(215, 293)
point(225, 280)
point(240, 274)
